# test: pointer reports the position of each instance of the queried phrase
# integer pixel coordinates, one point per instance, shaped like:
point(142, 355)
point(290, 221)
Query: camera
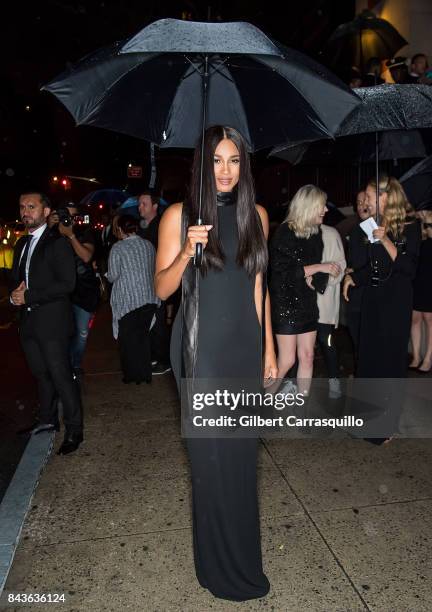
point(66, 219)
point(64, 216)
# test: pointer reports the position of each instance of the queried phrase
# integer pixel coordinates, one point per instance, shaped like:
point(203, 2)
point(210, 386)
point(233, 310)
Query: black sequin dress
point(294, 304)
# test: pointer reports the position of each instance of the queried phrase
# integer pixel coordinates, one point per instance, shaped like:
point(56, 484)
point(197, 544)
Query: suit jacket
point(51, 280)
point(104, 244)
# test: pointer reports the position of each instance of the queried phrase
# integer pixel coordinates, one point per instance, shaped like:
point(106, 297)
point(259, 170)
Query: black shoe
point(37, 427)
point(70, 444)
point(160, 368)
point(376, 441)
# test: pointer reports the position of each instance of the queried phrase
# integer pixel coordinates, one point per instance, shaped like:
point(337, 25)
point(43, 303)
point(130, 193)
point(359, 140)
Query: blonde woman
point(297, 273)
point(422, 313)
point(387, 301)
point(387, 277)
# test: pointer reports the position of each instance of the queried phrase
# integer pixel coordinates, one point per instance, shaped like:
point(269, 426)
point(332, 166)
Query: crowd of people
point(400, 70)
point(255, 309)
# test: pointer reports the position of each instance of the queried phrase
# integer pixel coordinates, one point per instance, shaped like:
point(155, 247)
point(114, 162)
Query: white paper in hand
point(368, 227)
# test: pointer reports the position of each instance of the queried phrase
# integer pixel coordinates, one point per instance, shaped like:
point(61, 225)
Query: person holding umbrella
point(221, 339)
point(387, 279)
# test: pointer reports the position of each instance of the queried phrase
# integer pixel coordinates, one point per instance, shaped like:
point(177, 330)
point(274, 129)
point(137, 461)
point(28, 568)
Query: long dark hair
point(252, 249)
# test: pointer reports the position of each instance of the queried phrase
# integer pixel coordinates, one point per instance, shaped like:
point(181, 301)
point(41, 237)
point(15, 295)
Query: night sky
point(38, 138)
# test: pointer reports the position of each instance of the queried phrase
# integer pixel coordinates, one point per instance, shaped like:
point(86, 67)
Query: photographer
point(85, 298)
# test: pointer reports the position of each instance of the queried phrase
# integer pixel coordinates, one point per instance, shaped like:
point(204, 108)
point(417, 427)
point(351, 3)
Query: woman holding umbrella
point(221, 338)
point(388, 293)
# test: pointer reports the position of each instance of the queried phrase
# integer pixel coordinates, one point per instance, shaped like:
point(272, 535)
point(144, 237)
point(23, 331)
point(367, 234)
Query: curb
point(17, 499)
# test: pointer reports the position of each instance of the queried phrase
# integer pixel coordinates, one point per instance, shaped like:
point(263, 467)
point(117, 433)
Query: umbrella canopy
point(364, 37)
point(417, 183)
point(110, 197)
point(151, 86)
point(383, 108)
point(389, 107)
point(129, 207)
point(395, 144)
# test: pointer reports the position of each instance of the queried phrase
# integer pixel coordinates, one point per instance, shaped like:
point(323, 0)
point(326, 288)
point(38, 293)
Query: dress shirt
point(35, 239)
point(105, 233)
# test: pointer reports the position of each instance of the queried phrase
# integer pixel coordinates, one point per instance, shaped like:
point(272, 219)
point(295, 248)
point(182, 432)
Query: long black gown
point(226, 531)
point(387, 308)
point(385, 327)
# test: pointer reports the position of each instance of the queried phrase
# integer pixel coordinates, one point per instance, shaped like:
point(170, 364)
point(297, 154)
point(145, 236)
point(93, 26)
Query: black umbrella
point(175, 78)
point(364, 37)
point(417, 183)
point(394, 144)
point(151, 86)
point(383, 107)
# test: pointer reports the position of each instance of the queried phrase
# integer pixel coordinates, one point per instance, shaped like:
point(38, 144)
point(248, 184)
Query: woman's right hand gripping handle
point(196, 234)
point(172, 256)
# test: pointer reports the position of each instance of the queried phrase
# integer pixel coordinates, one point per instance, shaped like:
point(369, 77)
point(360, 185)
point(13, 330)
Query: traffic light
point(62, 182)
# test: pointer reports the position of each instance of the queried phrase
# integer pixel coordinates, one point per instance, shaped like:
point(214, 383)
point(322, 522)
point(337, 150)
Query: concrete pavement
point(346, 526)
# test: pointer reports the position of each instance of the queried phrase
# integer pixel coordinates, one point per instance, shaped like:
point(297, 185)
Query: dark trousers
point(134, 343)
point(48, 359)
point(326, 343)
point(160, 337)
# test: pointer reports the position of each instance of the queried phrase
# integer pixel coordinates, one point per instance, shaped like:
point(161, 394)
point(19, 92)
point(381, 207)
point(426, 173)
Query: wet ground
point(346, 526)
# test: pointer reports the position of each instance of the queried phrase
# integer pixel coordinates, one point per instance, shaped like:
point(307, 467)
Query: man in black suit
point(42, 278)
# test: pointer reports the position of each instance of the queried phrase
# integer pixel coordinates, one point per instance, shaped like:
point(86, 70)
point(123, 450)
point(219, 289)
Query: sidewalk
point(346, 526)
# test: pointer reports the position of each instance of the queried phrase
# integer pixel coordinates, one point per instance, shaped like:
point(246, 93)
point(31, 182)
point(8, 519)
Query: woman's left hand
point(309, 282)
point(270, 369)
point(380, 234)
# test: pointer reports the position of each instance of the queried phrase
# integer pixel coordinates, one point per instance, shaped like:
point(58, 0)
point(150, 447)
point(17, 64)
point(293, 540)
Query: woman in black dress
point(387, 302)
point(217, 334)
point(296, 274)
point(422, 313)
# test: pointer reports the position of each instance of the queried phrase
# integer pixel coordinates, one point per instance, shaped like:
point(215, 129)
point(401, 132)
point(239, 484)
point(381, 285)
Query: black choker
point(226, 198)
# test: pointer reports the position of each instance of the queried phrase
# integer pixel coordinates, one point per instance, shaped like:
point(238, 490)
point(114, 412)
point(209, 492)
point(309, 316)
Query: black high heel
point(377, 441)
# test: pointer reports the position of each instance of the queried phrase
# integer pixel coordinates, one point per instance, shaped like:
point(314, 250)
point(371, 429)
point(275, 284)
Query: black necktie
point(23, 261)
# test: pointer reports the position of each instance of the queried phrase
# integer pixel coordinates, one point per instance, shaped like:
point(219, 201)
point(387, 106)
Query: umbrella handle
point(198, 257)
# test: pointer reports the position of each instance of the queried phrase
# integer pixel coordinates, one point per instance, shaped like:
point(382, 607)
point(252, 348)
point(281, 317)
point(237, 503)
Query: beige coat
point(328, 302)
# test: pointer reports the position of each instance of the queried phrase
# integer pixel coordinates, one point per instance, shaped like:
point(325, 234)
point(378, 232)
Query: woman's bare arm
point(172, 257)
point(269, 347)
point(170, 261)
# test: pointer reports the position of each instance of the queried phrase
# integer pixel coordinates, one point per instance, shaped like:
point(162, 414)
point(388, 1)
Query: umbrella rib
point(193, 66)
point(218, 70)
point(215, 69)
